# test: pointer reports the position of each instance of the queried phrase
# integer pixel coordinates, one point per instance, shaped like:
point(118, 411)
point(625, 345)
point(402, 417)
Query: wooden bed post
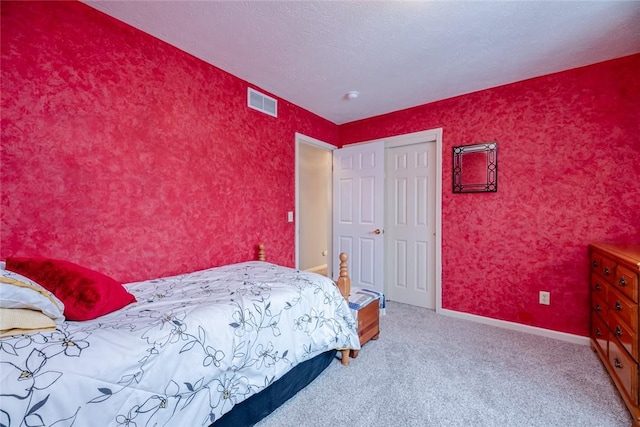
point(344, 281)
point(261, 256)
point(344, 284)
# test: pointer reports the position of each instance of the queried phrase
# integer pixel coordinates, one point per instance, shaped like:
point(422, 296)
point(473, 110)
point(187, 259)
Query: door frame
point(303, 139)
point(429, 136)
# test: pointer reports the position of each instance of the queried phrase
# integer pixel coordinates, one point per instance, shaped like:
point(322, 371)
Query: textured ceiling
point(396, 54)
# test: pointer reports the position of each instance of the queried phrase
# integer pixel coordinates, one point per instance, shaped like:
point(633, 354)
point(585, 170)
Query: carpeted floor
point(435, 370)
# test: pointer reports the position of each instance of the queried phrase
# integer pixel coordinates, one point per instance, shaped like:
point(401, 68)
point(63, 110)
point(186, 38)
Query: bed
point(223, 346)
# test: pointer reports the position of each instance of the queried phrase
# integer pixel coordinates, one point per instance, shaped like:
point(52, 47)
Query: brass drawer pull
point(618, 306)
point(618, 331)
point(598, 287)
point(598, 332)
point(594, 263)
point(598, 307)
point(617, 363)
point(623, 281)
point(606, 271)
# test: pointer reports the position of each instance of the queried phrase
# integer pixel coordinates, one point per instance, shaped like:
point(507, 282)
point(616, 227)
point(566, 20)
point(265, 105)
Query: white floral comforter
point(192, 347)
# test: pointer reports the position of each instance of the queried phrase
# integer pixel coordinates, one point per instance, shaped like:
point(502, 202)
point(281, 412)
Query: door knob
point(376, 231)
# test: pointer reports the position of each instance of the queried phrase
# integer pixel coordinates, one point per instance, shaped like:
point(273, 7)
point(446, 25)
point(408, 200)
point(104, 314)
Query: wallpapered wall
point(569, 174)
point(127, 155)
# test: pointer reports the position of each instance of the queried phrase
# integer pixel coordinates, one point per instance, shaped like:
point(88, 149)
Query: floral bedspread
point(191, 348)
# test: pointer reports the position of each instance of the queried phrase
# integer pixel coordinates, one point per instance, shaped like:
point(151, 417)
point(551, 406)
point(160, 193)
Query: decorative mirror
point(475, 168)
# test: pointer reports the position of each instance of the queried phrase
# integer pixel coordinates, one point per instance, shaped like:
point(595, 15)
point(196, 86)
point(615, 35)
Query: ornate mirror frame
point(479, 172)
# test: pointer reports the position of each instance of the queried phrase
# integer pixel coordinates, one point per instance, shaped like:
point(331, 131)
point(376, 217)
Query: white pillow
point(18, 291)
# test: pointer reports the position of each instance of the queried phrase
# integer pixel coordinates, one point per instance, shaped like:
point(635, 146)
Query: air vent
point(261, 102)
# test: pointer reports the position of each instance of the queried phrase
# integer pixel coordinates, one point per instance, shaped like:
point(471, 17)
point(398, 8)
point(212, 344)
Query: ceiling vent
point(261, 102)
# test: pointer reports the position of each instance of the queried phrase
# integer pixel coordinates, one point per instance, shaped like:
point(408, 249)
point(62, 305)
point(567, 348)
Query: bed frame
point(246, 413)
point(258, 406)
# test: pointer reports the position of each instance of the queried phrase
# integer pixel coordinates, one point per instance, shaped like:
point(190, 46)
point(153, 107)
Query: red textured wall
point(569, 174)
point(129, 156)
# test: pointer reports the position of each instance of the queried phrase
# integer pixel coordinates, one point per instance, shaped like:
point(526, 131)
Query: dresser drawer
point(598, 286)
point(599, 333)
point(596, 261)
point(607, 269)
point(627, 338)
point(626, 281)
point(602, 265)
point(625, 369)
point(624, 308)
point(599, 305)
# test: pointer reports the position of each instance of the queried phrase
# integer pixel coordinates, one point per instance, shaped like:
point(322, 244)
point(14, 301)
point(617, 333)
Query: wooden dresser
point(615, 277)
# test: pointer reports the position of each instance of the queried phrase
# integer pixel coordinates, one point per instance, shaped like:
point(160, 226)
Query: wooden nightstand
point(368, 324)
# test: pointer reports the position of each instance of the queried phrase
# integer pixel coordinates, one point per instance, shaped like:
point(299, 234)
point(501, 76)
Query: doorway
point(313, 205)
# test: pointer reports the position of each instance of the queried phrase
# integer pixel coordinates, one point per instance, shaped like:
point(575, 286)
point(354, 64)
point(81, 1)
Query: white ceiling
point(396, 54)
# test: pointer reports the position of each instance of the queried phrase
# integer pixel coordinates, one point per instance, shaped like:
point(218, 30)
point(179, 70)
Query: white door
point(410, 224)
point(358, 209)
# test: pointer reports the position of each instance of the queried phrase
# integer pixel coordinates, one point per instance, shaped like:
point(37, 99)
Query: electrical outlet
point(545, 297)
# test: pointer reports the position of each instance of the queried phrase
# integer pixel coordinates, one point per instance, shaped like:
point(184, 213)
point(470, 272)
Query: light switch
point(290, 216)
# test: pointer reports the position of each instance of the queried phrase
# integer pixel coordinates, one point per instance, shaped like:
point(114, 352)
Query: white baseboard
point(563, 336)
point(317, 268)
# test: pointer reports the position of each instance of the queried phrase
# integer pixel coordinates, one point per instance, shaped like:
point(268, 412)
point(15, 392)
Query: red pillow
point(86, 294)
